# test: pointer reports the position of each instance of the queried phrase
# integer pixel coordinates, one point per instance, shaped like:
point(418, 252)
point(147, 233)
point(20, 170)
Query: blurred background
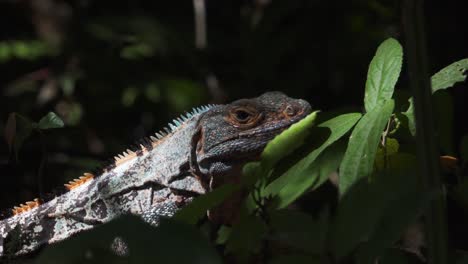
point(117, 71)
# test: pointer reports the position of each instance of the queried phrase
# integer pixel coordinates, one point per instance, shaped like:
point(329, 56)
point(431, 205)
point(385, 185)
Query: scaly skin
point(201, 151)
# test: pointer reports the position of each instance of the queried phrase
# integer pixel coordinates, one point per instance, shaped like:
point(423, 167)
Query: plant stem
point(430, 177)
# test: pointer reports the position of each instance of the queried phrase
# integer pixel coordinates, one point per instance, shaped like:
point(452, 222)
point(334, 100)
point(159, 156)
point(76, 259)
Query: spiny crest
point(77, 182)
point(147, 143)
point(25, 207)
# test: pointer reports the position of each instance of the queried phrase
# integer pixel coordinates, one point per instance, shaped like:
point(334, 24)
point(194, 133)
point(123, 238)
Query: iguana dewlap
point(196, 153)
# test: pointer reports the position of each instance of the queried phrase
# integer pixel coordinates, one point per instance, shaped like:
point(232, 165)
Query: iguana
point(194, 154)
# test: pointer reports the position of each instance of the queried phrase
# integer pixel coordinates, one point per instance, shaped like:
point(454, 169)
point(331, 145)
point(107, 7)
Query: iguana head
point(230, 135)
point(235, 133)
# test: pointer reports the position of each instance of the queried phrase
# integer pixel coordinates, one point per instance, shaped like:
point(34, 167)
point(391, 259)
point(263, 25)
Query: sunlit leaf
point(304, 174)
point(289, 140)
point(358, 161)
point(449, 75)
point(295, 182)
point(278, 148)
point(383, 74)
point(443, 79)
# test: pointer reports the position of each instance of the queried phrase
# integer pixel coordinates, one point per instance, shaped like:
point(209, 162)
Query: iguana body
point(198, 152)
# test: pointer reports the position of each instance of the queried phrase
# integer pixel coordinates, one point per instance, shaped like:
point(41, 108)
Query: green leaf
point(51, 120)
point(296, 230)
point(449, 75)
point(383, 73)
point(398, 160)
point(305, 173)
point(399, 214)
point(286, 142)
point(369, 212)
point(171, 242)
point(224, 233)
point(199, 206)
point(443, 79)
point(246, 237)
point(383, 153)
point(410, 115)
point(358, 161)
point(281, 146)
point(294, 183)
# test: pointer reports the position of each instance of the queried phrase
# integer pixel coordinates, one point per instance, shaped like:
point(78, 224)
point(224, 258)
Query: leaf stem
point(430, 177)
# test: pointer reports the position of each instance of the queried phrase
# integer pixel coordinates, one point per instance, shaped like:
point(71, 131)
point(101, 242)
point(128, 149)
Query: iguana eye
point(243, 116)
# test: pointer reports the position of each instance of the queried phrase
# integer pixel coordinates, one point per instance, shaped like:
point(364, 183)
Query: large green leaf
point(358, 160)
point(375, 212)
point(383, 73)
point(443, 79)
point(305, 173)
point(296, 230)
point(393, 221)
